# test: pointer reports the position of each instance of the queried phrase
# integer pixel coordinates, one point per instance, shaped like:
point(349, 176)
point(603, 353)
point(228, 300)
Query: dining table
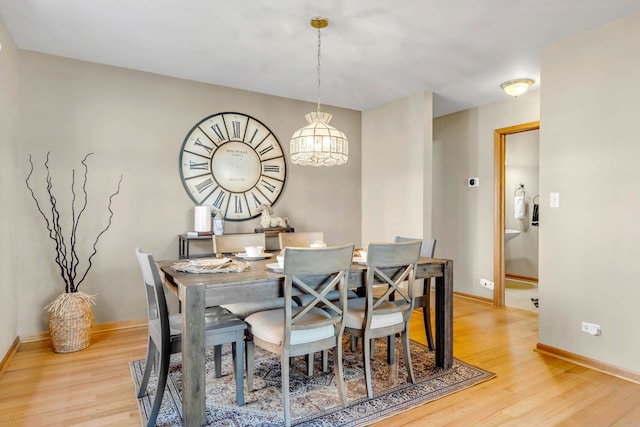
point(259, 282)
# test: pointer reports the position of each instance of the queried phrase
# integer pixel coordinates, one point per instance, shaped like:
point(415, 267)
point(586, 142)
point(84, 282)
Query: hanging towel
point(534, 216)
point(518, 207)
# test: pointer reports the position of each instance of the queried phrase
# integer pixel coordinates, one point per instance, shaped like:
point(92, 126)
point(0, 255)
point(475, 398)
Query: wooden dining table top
point(258, 271)
point(244, 286)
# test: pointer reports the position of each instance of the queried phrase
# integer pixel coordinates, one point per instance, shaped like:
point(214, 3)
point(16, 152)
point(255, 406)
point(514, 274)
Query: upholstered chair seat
point(356, 315)
point(268, 326)
point(245, 309)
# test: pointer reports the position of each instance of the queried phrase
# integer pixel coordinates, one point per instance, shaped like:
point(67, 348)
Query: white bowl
point(253, 250)
point(280, 260)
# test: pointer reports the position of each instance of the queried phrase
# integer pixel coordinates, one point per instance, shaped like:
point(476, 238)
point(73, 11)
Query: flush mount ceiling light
point(516, 87)
point(318, 143)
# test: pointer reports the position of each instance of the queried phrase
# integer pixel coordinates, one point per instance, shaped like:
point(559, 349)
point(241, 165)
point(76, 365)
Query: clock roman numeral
point(268, 186)
point(195, 165)
point(257, 201)
point(237, 204)
point(255, 132)
point(216, 128)
point(272, 168)
point(266, 150)
point(236, 128)
point(219, 200)
point(199, 143)
point(204, 185)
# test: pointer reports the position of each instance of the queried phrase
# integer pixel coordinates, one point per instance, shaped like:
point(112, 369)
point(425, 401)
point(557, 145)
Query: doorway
point(500, 145)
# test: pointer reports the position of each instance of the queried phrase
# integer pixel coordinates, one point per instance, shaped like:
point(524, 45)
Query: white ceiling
point(373, 51)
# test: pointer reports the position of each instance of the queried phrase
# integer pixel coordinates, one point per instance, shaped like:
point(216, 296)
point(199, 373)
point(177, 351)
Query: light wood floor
point(93, 387)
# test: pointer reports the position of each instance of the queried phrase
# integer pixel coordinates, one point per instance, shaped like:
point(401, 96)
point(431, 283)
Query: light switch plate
point(554, 200)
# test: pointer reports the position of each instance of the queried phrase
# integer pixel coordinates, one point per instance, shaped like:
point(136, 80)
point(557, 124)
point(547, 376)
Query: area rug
point(314, 400)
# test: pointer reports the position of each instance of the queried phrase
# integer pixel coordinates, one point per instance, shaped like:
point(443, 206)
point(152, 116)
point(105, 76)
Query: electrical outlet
point(486, 284)
point(590, 328)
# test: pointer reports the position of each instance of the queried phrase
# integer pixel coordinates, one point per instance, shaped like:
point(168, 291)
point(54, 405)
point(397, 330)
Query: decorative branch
point(66, 257)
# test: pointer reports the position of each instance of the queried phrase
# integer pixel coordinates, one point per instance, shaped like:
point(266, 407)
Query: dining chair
point(165, 335)
point(422, 288)
point(301, 239)
point(377, 316)
point(293, 331)
point(304, 239)
point(235, 243)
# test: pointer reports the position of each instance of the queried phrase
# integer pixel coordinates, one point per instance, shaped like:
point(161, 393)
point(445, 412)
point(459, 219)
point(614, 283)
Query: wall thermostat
point(474, 182)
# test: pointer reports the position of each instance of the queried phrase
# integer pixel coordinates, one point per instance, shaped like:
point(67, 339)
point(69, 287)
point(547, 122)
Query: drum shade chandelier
point(516, 87)
point(318, 143)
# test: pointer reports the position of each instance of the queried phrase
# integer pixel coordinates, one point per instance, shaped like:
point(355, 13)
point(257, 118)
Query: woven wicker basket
point(70, 322)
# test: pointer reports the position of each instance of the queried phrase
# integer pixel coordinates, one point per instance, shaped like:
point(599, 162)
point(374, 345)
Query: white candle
point(202, 220)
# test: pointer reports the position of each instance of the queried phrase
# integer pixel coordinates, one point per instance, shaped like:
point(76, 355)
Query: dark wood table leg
point(193, 383)
point(444, 317)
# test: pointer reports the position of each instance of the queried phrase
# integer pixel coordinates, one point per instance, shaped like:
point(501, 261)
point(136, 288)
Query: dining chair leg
point(250, 349)
point(163, 373)
point(407, 357)
point(366, 351)
point(325, 361)
point(217, 360)
point(354, 342)
point(339, 371)
point(151, 355)
point(286, 404)
point(309, 360)
point(391, 349)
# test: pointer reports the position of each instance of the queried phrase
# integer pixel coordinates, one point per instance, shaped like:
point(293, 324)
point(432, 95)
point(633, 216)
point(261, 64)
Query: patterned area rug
point(314, 400)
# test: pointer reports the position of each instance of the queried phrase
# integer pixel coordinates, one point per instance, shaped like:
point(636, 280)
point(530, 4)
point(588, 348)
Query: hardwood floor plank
point(93, 387)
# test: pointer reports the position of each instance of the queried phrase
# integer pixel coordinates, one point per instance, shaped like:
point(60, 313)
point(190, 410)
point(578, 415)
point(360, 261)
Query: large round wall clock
point(233, 163)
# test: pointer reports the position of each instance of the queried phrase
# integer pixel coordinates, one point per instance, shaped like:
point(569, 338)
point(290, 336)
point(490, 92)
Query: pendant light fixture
point(318, 143)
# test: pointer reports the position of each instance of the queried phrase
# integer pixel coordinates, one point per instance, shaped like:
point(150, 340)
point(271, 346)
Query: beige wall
point(10, 285)
point(396, 169)
point(135, 123)
point(463, 216)
point(589, 152)
point(522, 167)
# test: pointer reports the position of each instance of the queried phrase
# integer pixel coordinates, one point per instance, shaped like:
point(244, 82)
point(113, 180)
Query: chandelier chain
point(318, 69)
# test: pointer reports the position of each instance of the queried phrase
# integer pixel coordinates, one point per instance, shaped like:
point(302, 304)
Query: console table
point(183, 245)
point(183, 240)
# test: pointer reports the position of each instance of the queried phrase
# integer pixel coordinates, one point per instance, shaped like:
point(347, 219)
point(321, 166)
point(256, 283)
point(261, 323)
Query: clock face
point(233, 163)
